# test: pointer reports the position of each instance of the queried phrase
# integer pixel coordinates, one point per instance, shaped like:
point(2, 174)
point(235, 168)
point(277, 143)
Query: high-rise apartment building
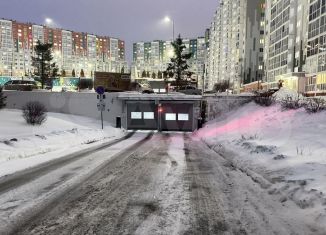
point(236, 43)
point(281, 36)
point(315, 65)
point(6, 49)
point(71, 50)
point(286, 43)
point(273, 41)
point(153, 57)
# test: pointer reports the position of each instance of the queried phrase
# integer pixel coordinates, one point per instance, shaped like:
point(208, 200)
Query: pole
point(173, 30)
point(102, 119)
point(93, 77)
point(159, 116)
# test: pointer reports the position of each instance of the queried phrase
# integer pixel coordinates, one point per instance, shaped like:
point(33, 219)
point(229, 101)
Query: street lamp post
point(173, 30)
point(169, 20)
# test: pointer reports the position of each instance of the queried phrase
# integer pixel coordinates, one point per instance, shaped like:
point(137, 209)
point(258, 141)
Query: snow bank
point(61, 133)
point(285, 93)
point(286, 148)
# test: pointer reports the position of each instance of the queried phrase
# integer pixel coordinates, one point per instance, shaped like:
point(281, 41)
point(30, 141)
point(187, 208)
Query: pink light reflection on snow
point(253, 120)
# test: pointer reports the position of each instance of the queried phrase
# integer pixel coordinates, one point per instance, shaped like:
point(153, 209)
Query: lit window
point(136, 115)
point(170, 117)
point(149, 115)
point(183, 117)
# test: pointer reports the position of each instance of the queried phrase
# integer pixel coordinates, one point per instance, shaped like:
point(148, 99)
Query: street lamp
point(167, 19)
point(48, 22)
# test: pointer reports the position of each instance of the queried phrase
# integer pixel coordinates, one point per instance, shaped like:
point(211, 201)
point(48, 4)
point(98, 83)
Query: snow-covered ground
point(285, 151)
point(23, 146)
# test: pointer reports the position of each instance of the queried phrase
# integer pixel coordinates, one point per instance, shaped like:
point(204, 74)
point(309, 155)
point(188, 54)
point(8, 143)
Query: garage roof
point(170, 96)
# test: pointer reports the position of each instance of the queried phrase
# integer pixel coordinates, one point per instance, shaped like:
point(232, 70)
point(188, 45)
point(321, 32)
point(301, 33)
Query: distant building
point(153, 58)
point(71, 50)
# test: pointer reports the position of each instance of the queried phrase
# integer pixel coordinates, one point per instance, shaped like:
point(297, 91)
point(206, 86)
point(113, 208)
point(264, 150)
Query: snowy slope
point(285, 151)
point(61, 134)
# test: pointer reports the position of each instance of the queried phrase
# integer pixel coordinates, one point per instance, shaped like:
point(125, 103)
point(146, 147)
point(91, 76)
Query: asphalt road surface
point(148, 184)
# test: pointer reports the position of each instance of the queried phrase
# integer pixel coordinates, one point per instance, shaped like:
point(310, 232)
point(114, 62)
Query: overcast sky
point(130, 20)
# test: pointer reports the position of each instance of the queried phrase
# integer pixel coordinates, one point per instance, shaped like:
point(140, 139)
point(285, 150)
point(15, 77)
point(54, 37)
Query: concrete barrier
point(76, 103)
point(219, 104)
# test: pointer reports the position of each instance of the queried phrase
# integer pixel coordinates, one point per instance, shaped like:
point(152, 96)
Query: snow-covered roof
point(224, 94)
point(170, 96)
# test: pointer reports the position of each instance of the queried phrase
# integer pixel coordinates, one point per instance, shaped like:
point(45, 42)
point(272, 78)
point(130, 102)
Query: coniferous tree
point(178, 67)
point(43, 62)
point(165, 75)
point(143, 75)
point(2, 99)
point(147, 74)
point(82, 74)
point(73, 73)
point(153, 75)
point(159, 74)
point(63, 73)
point(54, 72)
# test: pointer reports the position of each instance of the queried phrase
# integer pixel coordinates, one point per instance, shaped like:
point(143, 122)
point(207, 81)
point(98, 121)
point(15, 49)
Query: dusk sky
point(130, 20)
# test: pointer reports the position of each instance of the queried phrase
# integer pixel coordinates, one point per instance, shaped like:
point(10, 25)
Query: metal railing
point(315, 87)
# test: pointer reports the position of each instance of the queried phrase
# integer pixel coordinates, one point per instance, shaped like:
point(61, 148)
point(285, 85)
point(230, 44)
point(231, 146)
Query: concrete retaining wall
point(217, 105)
point(83, 104)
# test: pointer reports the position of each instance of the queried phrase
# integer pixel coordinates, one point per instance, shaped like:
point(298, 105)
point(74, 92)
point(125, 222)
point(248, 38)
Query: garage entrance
point(177, 116)
point(162, 112)
point(142, 115)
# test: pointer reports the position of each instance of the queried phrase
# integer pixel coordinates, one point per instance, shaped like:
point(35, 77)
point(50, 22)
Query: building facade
point(152, 58)
point(236, 43)
point(281, 35)
point(273, 41)
point(71, 50)
point(315, 65)
point(288, 32)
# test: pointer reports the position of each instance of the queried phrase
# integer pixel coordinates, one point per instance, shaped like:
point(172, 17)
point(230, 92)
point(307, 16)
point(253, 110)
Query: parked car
point(190, 90)
point(20, 85)
point(144, 89)
point(147, 91)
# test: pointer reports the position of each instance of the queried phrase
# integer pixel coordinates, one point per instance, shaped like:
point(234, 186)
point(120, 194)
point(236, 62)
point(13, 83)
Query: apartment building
point(236, 44)
point(315, 65)
point(153, 58)
point(71, 50)
point(286, 43)
point(6, 49)
point(281, 32)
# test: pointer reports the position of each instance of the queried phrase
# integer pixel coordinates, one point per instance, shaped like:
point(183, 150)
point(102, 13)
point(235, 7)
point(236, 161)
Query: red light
point(160, 110)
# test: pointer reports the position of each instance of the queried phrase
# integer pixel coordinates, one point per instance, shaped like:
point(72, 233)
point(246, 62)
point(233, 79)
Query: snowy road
point(164, 184)
point(12, 181)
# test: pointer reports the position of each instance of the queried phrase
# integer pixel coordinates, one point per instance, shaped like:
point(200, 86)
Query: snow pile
point(60, 133)
point(287, 149)
point(285, 93)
